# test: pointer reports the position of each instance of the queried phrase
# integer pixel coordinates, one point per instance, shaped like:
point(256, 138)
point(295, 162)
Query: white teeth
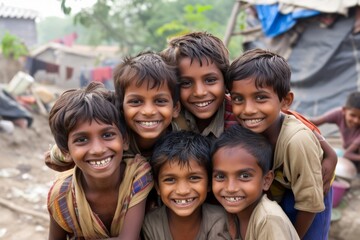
point(203, 104)
point(233, 199)
point(101, 162)
point(252, 121)
point(149, 124)
point(183, 201)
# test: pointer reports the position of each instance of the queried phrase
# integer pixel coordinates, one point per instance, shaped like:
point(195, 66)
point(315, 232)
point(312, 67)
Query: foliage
point(12, 47)
point(138, 25)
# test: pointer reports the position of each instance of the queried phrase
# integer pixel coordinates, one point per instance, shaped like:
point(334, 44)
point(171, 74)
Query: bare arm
point(318, 120)
point(353, 152)
point(133, 222)
point(303, 222)
point(328, 163)
point(55, 231)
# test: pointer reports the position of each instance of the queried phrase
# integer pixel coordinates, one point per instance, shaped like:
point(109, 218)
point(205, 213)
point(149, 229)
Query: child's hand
point(50, 164)
point(328, 170)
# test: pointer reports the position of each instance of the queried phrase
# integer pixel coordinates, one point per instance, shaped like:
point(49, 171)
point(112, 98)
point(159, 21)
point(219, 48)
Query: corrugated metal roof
point(15, 12)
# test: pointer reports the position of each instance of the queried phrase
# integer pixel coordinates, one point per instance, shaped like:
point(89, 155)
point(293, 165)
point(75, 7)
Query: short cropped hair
point(353, 100)
point(94, 102)
point(146, 67)
point(198, 46)
point(179, 148)
point(268, 69)
point(254, 143)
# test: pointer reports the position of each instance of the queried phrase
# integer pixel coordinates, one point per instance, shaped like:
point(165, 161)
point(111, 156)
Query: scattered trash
point(345, 169)
point(9, 172)
point(6, 126)
point(39, 228)
point(335, 214)
point(2, 232)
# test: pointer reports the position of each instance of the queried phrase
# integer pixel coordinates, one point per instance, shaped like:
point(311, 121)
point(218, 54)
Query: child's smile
point(183, 189)
point(202, 87)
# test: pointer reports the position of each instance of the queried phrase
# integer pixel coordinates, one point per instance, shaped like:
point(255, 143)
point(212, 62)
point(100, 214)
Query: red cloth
point(229, 118)
point(101, 74)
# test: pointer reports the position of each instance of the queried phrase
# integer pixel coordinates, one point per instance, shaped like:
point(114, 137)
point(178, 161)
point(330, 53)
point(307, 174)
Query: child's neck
point(203, 123)
point(185, 227)
point(244, 217)
point(273, 132)
point(111, 183)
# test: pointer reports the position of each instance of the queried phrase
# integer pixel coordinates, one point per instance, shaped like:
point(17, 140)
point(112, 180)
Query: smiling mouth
point(100, 163)
point(183, 201)
point(148, 123)
point(233, 199)
point(203, 104)
point(252, 122)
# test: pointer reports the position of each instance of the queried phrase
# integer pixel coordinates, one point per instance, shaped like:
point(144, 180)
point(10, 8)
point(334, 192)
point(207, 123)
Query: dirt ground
point(25, 180)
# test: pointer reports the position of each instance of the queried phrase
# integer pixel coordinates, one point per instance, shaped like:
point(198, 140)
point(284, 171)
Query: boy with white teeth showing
point(259, 84)
point(104, 195)
point(181, 165)
point(241, 161)
point(147, 93)
point(202, 61)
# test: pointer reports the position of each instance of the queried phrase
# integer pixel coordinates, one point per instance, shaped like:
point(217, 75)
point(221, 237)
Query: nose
point(249, 108)
point(148, 109)
point(200, 90)
point(97, 147)
point(231, 186)
point(182, 188)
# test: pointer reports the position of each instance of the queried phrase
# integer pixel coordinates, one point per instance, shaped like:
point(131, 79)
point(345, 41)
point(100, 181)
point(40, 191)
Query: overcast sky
point(47, 8)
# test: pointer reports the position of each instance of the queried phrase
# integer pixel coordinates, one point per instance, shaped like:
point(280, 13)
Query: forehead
point(206, 63)
point(147, 85)
point(249, 85)
point(232, 159)
point(173, 167)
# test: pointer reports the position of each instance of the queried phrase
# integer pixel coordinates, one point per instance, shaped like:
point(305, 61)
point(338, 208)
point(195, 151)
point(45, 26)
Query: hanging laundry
point(100, 74)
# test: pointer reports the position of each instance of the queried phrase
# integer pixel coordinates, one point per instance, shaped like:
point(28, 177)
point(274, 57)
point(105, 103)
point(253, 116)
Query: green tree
point(137, 25)
point(12, 46)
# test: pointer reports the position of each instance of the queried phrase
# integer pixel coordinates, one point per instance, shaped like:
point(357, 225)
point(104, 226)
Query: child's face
point(148, 112)
point(202, 88)
point(183, 190)
point(237, 180)
point(352, 117)
point(96, 148)
point(255, 108)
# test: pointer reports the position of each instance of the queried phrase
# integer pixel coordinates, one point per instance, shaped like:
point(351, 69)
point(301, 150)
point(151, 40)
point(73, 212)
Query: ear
point(268, 179)
point(176, 110)
point(287, 101)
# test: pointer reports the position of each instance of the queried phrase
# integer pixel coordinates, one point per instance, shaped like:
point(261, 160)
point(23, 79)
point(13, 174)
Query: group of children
point(217, 142)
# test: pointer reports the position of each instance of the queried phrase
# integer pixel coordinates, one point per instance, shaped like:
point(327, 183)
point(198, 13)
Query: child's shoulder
point(212, 210)
point(267, 207)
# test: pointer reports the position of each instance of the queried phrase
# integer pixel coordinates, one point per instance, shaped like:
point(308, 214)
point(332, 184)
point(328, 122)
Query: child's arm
point(133, 222)
point(55, 231)
point(55, 160)
point(328, 163)
point(353, 152)
point(318, 120)
point(303, 222)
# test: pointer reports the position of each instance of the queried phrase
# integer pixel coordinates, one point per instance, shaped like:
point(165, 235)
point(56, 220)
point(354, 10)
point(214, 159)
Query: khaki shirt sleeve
point(274, 227)
point(303, 170)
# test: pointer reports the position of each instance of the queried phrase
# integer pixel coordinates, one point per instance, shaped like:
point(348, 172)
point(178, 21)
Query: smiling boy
point(259, 84)
point(182, 181)
point(104, 195)
point(241, 161)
